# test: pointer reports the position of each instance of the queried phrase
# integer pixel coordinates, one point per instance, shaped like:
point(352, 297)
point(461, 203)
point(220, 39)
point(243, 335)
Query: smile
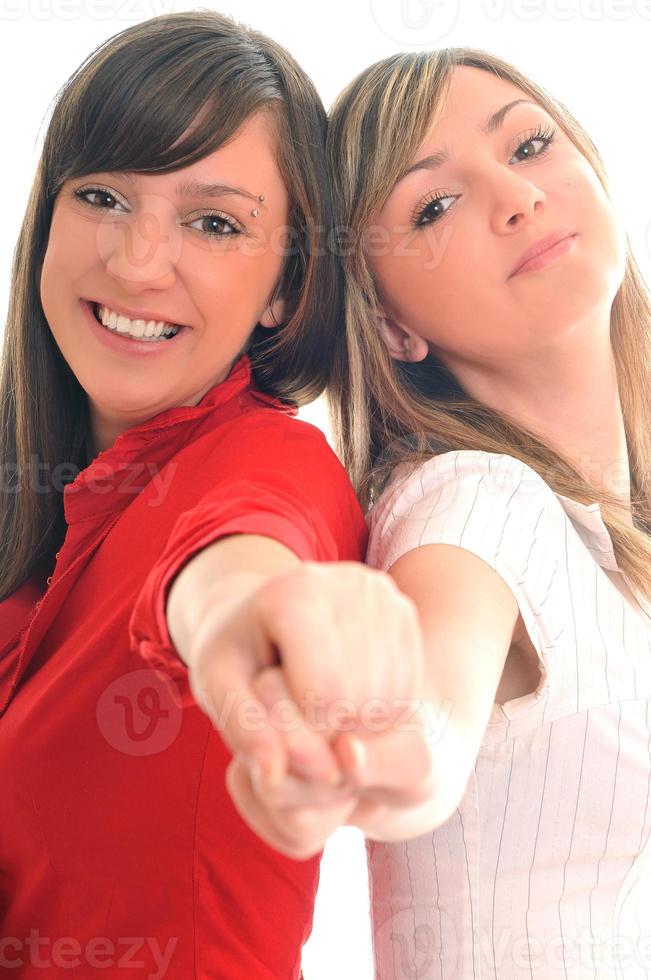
point(123, 342)
point(153, 330)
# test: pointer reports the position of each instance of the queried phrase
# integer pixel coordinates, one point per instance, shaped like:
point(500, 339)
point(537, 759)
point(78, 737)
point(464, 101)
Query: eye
point(226, 226)
point(82, 195)
point(538, 135)
point(433, 209)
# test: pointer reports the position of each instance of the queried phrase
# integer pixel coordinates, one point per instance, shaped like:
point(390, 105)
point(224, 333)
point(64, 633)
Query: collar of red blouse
point(141, 451)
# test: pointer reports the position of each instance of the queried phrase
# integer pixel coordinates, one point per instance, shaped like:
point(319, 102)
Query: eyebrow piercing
point(255, 211)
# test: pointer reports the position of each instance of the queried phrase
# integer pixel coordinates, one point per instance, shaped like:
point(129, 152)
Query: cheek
point(610, 235)
point(71, 251)
point(603, 236)
point(233, 281)
point(440, 269)
point(52, 275)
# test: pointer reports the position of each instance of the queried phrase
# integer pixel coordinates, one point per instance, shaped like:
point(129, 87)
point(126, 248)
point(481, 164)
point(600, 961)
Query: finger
point(300, 833)
point(221, 683)
point(394, 768)
point(295, 792)
point(302, 627)
point(308, 753)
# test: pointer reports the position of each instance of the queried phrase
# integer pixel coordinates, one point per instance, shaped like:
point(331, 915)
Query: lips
point(94, 308)
point(542, 245)
point(145, 315)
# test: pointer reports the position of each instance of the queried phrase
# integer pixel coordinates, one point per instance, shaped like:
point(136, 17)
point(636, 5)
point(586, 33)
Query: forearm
point(220, 575)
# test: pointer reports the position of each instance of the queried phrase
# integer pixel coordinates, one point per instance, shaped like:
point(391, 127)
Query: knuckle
point(310, 580)
point(386, 590)
point(384, 580)
point(301, 588)
point(376, 578)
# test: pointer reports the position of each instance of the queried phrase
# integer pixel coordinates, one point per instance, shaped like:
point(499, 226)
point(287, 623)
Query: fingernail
point(269, 767)
point(315, 773)
point(335, 778)
point(359, 752)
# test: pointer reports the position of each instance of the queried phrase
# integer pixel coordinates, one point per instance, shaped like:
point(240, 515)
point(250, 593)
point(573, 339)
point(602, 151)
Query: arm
point(469, 610)
point(468, 615)
point(225, 572)
point(207, 590)
point(325, 621)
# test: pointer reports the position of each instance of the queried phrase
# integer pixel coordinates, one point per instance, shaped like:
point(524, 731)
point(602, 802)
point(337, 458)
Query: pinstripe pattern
point(544, 870)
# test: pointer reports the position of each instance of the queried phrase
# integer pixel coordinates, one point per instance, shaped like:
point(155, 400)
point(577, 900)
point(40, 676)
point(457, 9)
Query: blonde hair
point(385, 412)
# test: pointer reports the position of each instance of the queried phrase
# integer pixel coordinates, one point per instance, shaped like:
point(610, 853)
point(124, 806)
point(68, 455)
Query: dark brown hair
point(125, 109)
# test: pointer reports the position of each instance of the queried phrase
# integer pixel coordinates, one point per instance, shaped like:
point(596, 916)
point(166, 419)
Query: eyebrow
point(196, 188)
point(492, 124)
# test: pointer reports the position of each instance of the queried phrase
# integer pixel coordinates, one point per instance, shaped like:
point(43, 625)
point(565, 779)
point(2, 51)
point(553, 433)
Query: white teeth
point(119, 323)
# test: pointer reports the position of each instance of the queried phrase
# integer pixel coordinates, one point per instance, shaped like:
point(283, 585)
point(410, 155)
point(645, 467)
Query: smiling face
point(135, 243)
point(443, 268)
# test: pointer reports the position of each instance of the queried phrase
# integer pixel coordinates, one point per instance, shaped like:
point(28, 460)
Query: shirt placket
point(86, 538)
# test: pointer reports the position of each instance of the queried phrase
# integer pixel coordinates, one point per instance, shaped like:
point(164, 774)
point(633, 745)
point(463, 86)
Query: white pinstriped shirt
point(544, 869)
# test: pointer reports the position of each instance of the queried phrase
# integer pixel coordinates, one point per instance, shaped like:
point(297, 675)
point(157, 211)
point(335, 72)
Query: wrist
point(194, 607)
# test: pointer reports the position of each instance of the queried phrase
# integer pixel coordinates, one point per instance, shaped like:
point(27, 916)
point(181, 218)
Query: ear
point(403, 344)
point(274, 314)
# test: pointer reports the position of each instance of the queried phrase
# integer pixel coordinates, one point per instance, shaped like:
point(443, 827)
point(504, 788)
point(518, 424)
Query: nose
point(516, 200)
point(141, 249)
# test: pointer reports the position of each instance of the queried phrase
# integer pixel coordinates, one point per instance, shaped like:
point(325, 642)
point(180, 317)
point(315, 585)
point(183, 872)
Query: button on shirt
point(121, 852)
point(544, 869)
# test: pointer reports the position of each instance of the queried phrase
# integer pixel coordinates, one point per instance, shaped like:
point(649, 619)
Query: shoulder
point(471, 498)
point(268, 437)
point(265, 447)
point(498, 473)
point(261, 423)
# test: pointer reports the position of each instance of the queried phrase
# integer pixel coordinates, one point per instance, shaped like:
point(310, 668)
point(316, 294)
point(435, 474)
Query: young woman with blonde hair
point(492, 402)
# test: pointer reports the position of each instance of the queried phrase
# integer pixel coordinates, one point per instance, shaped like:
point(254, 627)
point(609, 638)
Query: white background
point(592, 54)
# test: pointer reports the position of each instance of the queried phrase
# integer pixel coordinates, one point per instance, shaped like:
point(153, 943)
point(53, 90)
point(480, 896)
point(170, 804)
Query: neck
point(566, 394)
point(105, 428)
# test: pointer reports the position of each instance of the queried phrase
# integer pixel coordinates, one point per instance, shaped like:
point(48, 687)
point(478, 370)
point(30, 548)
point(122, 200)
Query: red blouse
point(121, 853)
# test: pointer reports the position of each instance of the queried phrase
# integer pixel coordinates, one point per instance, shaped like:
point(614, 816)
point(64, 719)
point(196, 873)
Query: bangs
point(147, 109)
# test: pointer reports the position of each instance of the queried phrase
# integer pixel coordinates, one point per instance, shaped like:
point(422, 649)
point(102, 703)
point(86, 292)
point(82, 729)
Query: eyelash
point(546, 135)
point(81, 191)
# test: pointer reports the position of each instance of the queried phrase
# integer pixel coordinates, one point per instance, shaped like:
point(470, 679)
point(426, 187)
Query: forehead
point(247, 162)
point(252, 148)
point(472, 96)
point(257, 135)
